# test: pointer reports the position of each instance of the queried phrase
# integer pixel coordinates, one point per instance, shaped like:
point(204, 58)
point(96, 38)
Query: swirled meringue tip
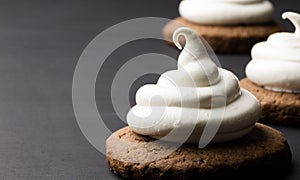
point(295, 19)
point(226, 12)
point(275, 63)
point(196, 100)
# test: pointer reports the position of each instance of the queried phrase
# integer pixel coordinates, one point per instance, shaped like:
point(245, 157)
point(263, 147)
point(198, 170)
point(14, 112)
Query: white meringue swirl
point(275, 63)
point(226, 12)
point(186, 99)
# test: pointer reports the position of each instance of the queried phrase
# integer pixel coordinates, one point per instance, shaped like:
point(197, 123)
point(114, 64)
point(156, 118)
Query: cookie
point(263, 151)
point(225, 39)
point(277, 107)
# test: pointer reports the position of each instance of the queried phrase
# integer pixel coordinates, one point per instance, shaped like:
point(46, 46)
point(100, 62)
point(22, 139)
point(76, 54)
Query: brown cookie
point(262, 152)
point(225, 39)
point(277, 107)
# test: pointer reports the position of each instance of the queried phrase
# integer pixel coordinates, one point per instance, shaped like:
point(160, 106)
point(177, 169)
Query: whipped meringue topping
point(275, 63)
point(185, 100)
point(226, 12)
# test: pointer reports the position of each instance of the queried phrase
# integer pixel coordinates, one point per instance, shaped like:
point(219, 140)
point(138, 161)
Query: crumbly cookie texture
point(263, 151)
point(226, 39)
point(277, 107)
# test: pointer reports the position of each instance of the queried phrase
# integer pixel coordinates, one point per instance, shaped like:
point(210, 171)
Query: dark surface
point(40, 43)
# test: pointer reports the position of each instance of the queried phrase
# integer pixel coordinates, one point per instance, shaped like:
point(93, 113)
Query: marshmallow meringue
point(182, 103)
point(226, 12)
point(275, 63)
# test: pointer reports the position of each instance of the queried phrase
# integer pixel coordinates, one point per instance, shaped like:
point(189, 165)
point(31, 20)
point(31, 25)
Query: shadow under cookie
point(225, 39)
point(263, 152)
point(277, 107)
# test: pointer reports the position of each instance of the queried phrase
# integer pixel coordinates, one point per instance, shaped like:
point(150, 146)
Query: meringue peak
point(295, 19)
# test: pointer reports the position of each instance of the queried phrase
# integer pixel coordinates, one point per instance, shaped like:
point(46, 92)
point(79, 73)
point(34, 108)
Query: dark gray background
point(40, 44)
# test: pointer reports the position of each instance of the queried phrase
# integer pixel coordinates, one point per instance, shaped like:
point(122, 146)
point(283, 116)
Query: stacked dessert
point(229, 26)
point(273, 75)
point(188, 108)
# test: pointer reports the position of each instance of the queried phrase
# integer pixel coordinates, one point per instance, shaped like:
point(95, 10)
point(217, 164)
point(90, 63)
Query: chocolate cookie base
point(263, 152)
point(225, 39)
point(277, 107)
